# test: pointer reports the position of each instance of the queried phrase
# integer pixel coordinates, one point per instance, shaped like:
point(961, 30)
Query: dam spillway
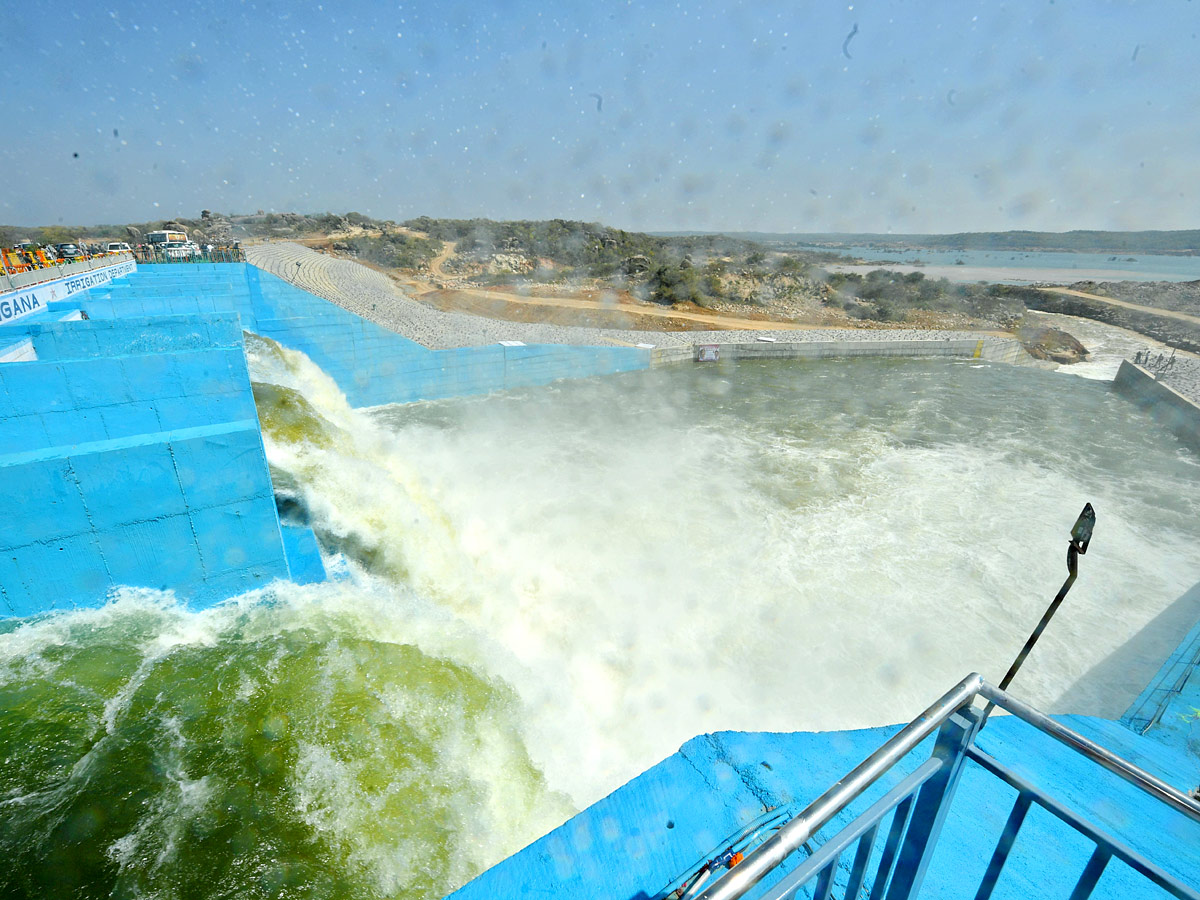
point(156, 363)
point(533, 580)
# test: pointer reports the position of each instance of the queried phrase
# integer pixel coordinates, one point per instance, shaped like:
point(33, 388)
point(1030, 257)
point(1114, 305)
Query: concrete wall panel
point(53, 572)
point(1166, 405)
point(40, 501)
point(303, 554)
point(159, 553)
point(149, 488)
point(130, 455)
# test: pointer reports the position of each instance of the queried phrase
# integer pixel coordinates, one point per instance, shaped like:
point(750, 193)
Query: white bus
point(165, 237)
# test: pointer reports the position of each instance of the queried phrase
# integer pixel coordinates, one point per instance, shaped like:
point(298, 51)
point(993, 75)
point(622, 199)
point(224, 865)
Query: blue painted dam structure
point(131, 454)
point(130, 448)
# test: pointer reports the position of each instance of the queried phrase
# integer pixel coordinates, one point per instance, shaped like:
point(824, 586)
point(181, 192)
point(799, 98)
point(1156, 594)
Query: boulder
point(220, 231)
point(1044, 342)
point(636, 265)
point(510, 263)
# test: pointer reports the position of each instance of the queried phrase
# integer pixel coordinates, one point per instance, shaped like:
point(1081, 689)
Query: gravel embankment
point(1183, 376)
point(376, 297)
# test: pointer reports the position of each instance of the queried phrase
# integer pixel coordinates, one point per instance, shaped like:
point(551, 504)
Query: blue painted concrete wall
point(21, 303)
point(636, 841)
point(132, 456)
point(129, 448)
point(372, 365)
point(97, 381)
point(303, 554)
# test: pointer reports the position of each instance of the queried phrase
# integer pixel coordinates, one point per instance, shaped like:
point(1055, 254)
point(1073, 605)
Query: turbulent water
point(1107, 345)
point(537, 595)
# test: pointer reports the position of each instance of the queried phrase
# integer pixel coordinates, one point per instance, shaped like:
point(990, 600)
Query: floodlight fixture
point(1081, 536)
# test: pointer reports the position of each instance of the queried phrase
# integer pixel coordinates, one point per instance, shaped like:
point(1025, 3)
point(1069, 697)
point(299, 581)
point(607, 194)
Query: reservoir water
point(1115, 266)
point(537, 595)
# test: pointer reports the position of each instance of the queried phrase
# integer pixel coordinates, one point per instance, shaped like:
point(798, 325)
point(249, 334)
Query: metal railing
point(149, 255)
point(919, 804)
point(35, 275)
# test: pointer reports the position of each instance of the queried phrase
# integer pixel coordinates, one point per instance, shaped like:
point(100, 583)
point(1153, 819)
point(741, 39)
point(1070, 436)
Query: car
point(68, 251)
point(180, 250)
point(118, 247)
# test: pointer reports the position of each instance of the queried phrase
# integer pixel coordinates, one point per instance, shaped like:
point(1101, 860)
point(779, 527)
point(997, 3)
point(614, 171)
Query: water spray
point(1081, 534)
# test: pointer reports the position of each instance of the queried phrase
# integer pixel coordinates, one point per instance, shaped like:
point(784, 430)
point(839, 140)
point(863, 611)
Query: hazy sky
point(933, 116)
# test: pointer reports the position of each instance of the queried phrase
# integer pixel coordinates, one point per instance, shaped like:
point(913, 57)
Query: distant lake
point(1140, 267)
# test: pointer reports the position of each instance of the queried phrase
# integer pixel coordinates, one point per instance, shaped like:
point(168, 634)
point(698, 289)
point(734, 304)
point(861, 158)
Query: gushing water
point(540, 594)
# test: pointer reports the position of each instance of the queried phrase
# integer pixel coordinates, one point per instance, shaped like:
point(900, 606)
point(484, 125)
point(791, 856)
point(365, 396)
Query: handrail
point(1139, 778)
point(755, 867)
point(1119, 849)
point(41, 275)
point(830, 850)
point(817, 814)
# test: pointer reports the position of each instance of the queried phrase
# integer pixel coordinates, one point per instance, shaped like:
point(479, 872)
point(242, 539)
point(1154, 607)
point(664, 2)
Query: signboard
point(18, 305)
point(709, 353)
point(29, 300)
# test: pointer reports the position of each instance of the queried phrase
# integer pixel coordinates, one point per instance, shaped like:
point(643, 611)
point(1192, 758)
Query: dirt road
point(586, 307)
point(600, 313)
point(1169, 313)
point(596, 313)
point(435, 264)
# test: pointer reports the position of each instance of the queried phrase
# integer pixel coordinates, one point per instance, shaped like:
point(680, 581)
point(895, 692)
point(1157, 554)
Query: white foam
point(1107, 346)
point(641, 583)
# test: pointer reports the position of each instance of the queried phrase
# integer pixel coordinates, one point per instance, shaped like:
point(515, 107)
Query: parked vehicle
point(68, 251)
point(158, 238)
point(180, 250)
point(118, 247)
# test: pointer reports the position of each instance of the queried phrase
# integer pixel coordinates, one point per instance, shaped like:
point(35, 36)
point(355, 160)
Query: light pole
point(1081, 534)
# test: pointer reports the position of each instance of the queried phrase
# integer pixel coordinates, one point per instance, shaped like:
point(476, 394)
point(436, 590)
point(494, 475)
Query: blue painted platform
point(634, 842)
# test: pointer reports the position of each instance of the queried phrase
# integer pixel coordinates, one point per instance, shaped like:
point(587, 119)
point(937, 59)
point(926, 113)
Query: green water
point(264, 751)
